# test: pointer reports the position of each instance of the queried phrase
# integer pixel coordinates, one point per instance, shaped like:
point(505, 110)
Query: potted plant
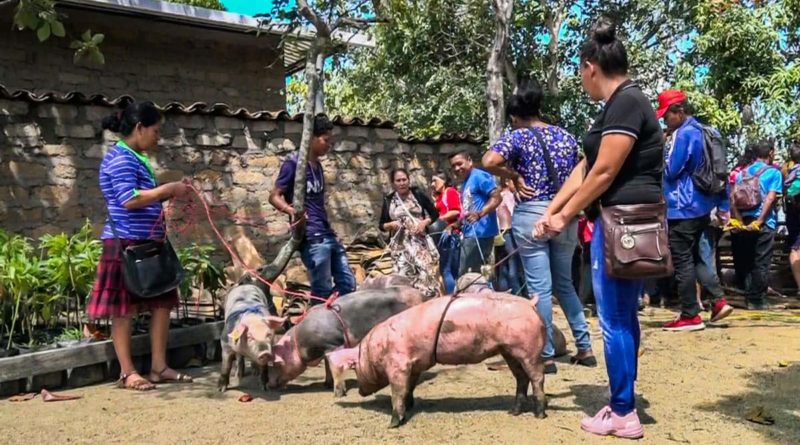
point(202, 275)
point(20, 273)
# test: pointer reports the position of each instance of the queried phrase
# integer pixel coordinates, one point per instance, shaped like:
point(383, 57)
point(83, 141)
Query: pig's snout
point(264, 358)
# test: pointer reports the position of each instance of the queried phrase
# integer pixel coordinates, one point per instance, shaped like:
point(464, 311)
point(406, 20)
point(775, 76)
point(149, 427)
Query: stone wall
point(147, 59)
point(50, 153)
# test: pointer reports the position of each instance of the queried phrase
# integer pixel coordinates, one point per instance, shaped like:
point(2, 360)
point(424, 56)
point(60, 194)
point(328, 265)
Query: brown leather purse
point(636, 243)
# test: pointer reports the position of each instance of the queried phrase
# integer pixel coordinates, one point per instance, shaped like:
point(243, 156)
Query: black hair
point(762, 149)
point(125, 121)
point(747, 157)
point(465, 154)
point(322, 125)
point(604, 49)
point(527, 101)
point(685, 106)
point(794, 152)
point(399, 170)
point(444, 176)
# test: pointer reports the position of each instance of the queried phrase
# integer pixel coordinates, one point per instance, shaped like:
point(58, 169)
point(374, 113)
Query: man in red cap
point(689, 211)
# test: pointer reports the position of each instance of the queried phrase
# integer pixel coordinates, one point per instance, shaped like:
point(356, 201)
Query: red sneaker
point(685, 324)
point(721, 310)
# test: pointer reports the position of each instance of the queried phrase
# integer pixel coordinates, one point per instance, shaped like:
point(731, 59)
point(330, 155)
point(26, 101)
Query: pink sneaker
point(605, 423)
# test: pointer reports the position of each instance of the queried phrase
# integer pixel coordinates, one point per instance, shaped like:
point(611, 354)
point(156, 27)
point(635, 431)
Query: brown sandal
point(142, 384)
point(179, 377)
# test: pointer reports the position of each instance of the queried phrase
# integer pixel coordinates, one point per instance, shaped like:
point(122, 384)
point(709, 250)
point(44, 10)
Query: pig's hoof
point(539, 413)
point(339, 393)
point(396, 421)
point(222, 385)
point(515, 411)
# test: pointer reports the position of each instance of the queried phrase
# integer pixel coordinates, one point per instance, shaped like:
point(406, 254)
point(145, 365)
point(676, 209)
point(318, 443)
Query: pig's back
point(244, 296)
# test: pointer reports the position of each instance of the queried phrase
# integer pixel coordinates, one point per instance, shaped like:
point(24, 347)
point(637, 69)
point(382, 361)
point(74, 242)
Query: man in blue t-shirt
point(480, 196)
point(754, 245)
point(322, 254)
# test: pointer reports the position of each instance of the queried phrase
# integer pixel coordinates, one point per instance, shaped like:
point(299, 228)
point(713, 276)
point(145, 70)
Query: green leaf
point(57, 28)
point(98, 39)
point(43, 33)
point(78, 55)
point(87, 35)
point(97, 56)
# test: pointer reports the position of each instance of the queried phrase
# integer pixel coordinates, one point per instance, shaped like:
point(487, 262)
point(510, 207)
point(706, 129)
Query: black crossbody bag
point(150, 268)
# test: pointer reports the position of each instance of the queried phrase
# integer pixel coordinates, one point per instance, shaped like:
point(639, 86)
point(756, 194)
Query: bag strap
point(548, 161)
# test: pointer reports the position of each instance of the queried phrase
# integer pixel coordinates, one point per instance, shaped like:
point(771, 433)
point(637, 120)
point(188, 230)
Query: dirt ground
point(693, 388)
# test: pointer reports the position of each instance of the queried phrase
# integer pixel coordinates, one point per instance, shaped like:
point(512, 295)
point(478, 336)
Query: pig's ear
point(275, 322)
point(239, 333)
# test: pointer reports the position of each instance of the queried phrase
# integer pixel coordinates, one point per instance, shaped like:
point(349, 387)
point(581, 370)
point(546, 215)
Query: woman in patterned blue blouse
point(539, 157)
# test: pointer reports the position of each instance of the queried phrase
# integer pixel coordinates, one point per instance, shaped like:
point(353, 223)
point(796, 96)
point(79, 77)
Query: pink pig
point(397, 351)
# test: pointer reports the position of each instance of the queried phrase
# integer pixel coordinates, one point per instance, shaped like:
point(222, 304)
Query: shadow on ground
point(777, 390)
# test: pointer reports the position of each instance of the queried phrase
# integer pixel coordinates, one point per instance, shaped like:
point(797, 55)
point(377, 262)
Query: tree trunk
point(319, 97)
point(271, 271)
point(553, 20)
point(496, 66)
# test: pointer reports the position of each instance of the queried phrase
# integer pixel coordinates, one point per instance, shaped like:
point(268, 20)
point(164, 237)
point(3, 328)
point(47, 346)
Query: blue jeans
point(510, 274)
point(617, 307)
point(327, 266)
point(449, 255)
point(548, 270)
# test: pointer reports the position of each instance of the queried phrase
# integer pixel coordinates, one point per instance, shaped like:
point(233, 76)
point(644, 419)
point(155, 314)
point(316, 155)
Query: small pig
point(249, 331)
point(384, 281)
point(321, 331)
point(397, 351)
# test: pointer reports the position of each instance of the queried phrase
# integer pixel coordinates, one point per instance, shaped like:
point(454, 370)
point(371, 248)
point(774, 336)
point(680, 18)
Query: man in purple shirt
point(322, 254)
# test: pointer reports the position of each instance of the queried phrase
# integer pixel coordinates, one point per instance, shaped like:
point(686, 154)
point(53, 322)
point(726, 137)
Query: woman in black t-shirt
point(624, 156)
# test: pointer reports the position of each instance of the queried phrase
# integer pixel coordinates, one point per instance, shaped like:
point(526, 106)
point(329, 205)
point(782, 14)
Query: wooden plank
point(23, 366)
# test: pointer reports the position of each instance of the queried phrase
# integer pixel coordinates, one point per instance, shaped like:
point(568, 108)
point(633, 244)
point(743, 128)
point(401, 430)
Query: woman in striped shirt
point(134, 202)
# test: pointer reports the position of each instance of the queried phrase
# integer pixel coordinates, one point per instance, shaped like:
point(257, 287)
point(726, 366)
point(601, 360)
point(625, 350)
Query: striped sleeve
point(123, 173)
point(624, 116)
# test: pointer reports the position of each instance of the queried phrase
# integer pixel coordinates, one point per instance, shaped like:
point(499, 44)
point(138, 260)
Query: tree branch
point(311, 16)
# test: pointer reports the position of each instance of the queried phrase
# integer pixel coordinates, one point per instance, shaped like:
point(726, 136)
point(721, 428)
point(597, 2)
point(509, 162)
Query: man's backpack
point(712, 174)
point(747, 193)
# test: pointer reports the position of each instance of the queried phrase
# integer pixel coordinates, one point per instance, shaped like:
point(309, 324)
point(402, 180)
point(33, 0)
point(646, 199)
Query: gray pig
point(249, 331)
point(321, 331)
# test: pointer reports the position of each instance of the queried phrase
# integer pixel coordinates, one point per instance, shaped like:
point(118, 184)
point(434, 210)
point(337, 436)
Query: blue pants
point(328, 270)
point(449, 257)
point(510, 274)
point(617, 307)
point(548, 270)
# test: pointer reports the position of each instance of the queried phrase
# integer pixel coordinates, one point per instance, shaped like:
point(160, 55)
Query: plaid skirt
point(110, 298)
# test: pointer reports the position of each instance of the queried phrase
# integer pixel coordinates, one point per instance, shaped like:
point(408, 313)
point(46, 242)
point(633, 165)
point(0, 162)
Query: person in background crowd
point(480, 197)
point(688, 211)
point(323, 255)
point(745, 160)
point(510, 274)
point(792, 208)
point(448, 203)
point(520, 156)
point(134, 204)
point(624, 158)
point(407, 212)
point(757, 237)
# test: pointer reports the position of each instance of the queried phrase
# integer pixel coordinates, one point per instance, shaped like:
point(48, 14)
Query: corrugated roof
point(216, 109)
point(222, 109)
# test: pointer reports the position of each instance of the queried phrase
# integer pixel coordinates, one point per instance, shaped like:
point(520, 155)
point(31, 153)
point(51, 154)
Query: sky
point(248, 7)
